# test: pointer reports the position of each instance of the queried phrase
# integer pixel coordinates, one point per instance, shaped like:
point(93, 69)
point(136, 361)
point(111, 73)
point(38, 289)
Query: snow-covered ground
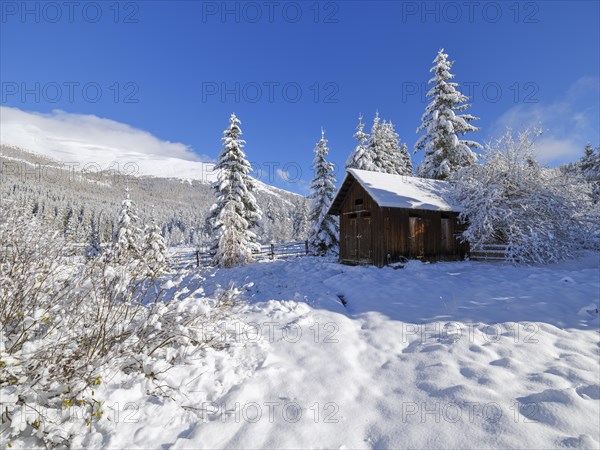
point(459, 355)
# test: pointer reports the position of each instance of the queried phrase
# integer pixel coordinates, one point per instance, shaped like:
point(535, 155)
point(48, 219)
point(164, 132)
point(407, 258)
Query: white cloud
point(568, 122)
point(88, 139)
point(283, 175)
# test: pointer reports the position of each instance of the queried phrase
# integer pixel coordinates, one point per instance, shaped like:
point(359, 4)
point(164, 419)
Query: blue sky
point(290, 68)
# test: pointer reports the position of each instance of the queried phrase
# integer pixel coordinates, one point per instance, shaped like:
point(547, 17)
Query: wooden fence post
point(272, 251)
point(197, 258)
point(306, 246)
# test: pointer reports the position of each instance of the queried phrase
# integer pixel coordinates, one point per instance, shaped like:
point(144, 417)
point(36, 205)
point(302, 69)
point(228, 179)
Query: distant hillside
point(68, 197)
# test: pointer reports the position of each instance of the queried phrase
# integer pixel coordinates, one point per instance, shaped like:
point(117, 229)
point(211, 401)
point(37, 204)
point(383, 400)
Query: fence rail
point(490, 252)
point(267, 251)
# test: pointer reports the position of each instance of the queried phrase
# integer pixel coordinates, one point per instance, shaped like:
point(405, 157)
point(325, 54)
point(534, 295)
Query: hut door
point(446, 236)
point(364, 239)
point(417, 237)
point(351, 244)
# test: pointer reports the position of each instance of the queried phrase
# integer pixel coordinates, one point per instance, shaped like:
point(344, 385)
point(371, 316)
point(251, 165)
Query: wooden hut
point(385, 218)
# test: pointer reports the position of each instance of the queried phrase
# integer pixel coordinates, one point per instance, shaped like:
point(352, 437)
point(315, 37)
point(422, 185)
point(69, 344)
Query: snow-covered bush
point(69, 324)
point(511, 199)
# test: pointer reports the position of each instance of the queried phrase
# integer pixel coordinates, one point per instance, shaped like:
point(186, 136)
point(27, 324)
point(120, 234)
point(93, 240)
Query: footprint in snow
point(470, 374)
point(583, 441)
point(502, 362)
point(591, 392)
point(542, 407)
point(433, 348)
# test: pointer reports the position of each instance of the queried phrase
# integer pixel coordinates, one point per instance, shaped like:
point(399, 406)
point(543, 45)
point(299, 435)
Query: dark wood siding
point(373, 235)
point(358, 213)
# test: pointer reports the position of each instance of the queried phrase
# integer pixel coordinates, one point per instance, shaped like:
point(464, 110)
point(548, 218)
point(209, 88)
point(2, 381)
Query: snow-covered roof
point(401, 191)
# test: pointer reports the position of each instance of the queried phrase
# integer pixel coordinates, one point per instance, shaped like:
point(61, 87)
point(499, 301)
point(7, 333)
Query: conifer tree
point(155, 250)
point(325, 229)
point(236, 210)
point(301, 223)
point(384, 151)
point(70, 228)
point(235, 243)
point(94, 247)
point(395, 157)
point(360, 158)
point(375, 146)
point(445, 153)
point(589, 165)
point(128, 236)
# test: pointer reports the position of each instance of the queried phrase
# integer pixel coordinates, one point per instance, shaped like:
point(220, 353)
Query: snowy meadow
point(268, 355)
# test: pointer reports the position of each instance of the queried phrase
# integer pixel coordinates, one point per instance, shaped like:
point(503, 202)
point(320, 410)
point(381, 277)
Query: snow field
point(458, 355)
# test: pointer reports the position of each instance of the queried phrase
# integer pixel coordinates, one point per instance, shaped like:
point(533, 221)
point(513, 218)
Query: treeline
point(72, 201)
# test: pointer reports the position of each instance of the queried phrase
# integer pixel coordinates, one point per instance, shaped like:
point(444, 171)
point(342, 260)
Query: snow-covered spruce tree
point(94, 247)
point(511, 199)
point(384, 153)
point(375, 146)
point(589, 165)
point(301, 221)
point(396, 159)
point(360, 158)
point(235, 241)
point(445, 153)
point(155, 250)
point(70, 225)
point(83, 225)
point(236, 210)
point(325, 229)
point(128, 237)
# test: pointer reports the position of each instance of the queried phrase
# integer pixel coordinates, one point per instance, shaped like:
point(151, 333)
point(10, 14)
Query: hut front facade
point(385, 218)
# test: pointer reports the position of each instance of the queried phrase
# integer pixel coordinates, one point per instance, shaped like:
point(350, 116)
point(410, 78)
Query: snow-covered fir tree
point(325, 229)
point(236, 210)
point(589, 166)
point(445, 152)
point(155, 250)
point(590, 161)
point(128, 236)
point(94, 247)
point(301, 220)
point(383, 152)
point(396, 159)
point(375, 146)
point(360, 158)
point(70, 224)
point(236, 242)
point(82, 225)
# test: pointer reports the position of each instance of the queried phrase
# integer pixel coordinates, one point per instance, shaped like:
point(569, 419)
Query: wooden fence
point(267, 251)
point(489, 252)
